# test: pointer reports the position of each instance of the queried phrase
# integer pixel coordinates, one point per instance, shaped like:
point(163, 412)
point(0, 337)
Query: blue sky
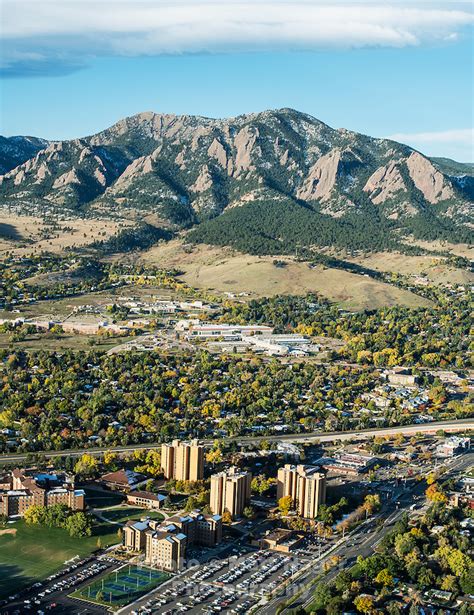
point(397, 73)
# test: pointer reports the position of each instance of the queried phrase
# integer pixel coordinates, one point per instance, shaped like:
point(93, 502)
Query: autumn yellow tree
point(110, 458)
point(284, 505)
point(214, 456)
point(87, 465)
point(364, 604)
point(434, 494)
point(226, 517)
point(384, 578)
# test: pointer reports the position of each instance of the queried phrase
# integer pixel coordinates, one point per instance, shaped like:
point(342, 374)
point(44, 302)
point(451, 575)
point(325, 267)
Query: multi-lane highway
point(425, 428)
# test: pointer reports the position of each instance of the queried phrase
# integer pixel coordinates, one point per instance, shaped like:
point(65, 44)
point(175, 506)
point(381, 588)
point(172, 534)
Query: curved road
point(425, 428)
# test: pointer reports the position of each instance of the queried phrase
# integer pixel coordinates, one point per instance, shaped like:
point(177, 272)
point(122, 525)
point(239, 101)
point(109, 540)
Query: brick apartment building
point(23, 489)
point(165, 542)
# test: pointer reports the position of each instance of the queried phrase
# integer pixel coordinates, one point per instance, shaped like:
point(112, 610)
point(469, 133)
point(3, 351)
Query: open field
point(122, 586)
point(124, 513)
point(34, 552)
point(29, 234)
point(435, 268)
point(223, 269)
point(50, 341)
point(457, 249)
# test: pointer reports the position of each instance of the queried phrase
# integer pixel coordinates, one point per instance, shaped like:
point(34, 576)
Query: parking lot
point(231, 585)
point(53, 594)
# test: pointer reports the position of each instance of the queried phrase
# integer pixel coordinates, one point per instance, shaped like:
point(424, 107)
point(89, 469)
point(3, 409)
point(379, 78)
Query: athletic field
point(122, 586)
point(30, 553)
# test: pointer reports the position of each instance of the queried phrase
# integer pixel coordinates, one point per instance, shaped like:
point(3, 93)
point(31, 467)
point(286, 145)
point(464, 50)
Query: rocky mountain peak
point(182, 167)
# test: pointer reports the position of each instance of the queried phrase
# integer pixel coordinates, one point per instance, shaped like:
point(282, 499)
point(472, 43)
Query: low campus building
point(145, 499)
point(281, 540)
point(347, 463)
point(29, 488)
point(206, 331)
point(122, 480)
point(400, 376)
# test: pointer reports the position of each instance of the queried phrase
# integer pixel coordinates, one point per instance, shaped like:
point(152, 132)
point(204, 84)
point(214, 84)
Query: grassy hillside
point(225, 270)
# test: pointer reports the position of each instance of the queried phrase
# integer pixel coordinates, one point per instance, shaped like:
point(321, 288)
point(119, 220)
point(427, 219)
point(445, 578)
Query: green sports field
point(33, 552)
point(122, 586)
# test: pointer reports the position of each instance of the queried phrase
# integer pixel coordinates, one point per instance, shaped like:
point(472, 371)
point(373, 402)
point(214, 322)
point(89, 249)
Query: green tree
point(79, 524)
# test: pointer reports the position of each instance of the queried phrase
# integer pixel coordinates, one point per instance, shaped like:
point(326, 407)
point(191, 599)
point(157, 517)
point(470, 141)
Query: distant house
point(456, 499)
point(146, 499)
point(122, 480)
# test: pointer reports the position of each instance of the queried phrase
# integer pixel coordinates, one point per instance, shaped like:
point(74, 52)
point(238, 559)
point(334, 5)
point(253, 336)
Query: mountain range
point(263, 182)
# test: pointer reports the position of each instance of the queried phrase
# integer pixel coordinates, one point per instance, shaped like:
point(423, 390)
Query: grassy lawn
point(121, 586)
point(100, 498)
point(124, 513)
point(34, 552)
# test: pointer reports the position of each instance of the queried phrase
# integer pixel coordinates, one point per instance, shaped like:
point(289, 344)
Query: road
point(363, 541)
point(426, 428)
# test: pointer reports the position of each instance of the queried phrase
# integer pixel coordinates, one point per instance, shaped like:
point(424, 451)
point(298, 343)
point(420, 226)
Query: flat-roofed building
point(146, 499)
point(230, 491)
point(306, 485)
point(225, 331)
point(183, 460)
point(453, 446)
point(347, 463)
point(281, 540)
point(401, 376)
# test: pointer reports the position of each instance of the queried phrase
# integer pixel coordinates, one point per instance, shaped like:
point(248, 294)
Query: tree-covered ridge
point(284, 227)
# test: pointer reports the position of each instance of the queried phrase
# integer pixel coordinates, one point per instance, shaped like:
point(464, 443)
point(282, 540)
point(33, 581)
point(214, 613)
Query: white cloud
point(70, 28)
point(457, 144)
point(464, 136)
